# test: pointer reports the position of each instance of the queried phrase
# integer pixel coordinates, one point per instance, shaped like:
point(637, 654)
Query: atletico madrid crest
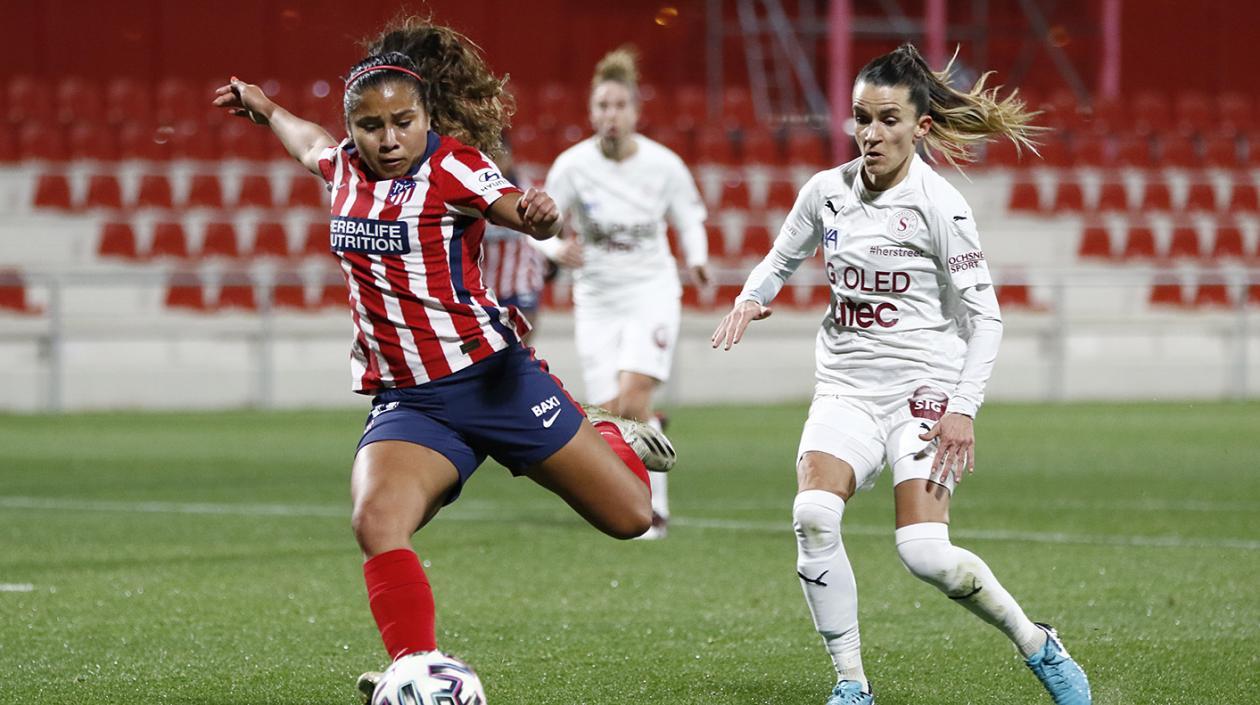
point(400, 191)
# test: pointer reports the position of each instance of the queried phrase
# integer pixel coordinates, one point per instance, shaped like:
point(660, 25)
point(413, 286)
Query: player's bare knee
point(631, 523)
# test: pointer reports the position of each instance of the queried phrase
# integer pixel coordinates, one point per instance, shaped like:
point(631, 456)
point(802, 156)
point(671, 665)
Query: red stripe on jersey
point(428, 347)
point(437, 269)
point(371, 377)
point(372, 299)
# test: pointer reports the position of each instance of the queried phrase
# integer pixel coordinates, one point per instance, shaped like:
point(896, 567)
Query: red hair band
point(384, 67)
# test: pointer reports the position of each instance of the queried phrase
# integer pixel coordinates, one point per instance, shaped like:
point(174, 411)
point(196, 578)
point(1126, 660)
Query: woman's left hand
point(539, 213)
point(956, 446)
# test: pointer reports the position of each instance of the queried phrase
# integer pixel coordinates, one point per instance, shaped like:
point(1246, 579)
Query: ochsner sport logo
point(373, 237)
point(965, 261)
point(903, 225)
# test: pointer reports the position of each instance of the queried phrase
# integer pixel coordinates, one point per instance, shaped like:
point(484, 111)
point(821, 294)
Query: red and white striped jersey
point(513, 267)
point(410, 249)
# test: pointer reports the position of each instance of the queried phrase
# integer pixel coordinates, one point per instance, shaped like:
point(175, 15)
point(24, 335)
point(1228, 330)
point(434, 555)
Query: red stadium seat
point(127, 101)
point(236, 291)
point(1236, 112)
point(758, 146)
point(154, 191)
point(255, 191)
point(169, 240)
point(143, 141)
point(333, 294)
point(39, 142)
point(306, 191)
point(1107, 116)
point(1139, 243)
point(1193, 113)
point(713, 146)
point(185, 291)
point(1242, 195)
point(1228, 242)
point(738, 111)
point(717, 242)
point(781, 195)
point(1221, 151)
point(177, 100)
point(531, 145)
point(1253, 294)
point(289, 292)
point(13, 294)
point(117, 240)
point(1178, 150)
point(190, 140)
point(1024, 197)
point(693, 297)
point(560, 104)
point(724, 296)
point(1156, 196)
point(1135, 152)
point(1151, 113)
point(1003, 153)
point(1167, 291)
point(1090, 151)
point(757, 241)
point(1113, 197)
point(1011, 296)
point(103, 191)
point(690, 107)
point(1212, 291)
point(1068, 197)
point(270, 239)
point(8, 145)
point(241, 139)
point(807, 147)
point(654, 107)
point(1185, 242)
point(29, 100)
point(204, 191)
point(1055, 152)
point(92, 140)
point(78, 100)
point(319, 101)
point(1095, 243)
point(317, 241)
point(52, 191)
point(734, 194)
point(219, 240)
point(1201, 197)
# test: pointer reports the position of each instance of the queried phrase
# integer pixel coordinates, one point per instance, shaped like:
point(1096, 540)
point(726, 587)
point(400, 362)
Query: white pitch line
point(491, 512)
point(16, 587)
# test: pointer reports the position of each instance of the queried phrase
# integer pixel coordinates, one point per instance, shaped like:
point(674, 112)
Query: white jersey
point(899, 263)
point(619, 211)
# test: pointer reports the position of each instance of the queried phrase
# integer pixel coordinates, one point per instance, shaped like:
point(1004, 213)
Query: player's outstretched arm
point(731, 329)
point(304, 140)
point(533, 213)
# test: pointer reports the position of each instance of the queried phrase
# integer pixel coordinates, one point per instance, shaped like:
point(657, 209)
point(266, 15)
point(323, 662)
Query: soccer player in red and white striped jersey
point(412, 188)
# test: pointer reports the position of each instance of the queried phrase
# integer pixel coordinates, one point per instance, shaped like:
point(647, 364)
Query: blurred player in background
point(903, 355)
point(412, 187)
point(620, 190)
point(513, 269)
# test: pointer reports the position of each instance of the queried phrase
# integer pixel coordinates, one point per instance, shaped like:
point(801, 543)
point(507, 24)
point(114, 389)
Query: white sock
point(827, 579)
point(659, 480)
point(926, 552)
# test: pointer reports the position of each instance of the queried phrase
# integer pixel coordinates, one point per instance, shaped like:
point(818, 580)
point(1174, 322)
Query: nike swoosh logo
point(548, 421)
point(960, 217)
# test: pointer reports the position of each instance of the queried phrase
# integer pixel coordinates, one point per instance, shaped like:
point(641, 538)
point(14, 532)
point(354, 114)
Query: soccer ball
point(429, 678)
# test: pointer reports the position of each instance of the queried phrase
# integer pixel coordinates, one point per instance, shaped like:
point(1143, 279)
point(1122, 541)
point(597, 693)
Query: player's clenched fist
point(539, 212)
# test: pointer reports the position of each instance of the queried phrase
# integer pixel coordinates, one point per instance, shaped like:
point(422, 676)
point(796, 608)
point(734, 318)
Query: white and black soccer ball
point(429, 678)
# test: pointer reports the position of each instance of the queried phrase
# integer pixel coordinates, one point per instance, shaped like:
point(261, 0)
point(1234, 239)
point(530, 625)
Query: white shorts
point(612, 340)
point(869, 433)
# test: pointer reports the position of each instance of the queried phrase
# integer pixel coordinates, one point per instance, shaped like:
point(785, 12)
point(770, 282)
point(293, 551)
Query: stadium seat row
point(1138, 241)
point(1148, 112)
point(169, 239)
point(1212, 290)
point(1069, 195)
point(1176, 150)
point(154, 190)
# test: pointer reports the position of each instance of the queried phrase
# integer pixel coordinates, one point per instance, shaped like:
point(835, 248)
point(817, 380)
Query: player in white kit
point(619, 190)
point(903, 356)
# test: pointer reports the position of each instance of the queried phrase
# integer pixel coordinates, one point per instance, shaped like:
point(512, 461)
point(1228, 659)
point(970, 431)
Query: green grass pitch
point(207, 558)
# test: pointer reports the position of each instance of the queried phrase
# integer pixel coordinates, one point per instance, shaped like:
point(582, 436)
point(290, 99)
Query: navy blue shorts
point(524, 301)
point(507, 406)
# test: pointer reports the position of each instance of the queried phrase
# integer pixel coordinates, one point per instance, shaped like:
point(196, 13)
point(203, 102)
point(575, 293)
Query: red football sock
point(612, 436)
point(401, 601)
